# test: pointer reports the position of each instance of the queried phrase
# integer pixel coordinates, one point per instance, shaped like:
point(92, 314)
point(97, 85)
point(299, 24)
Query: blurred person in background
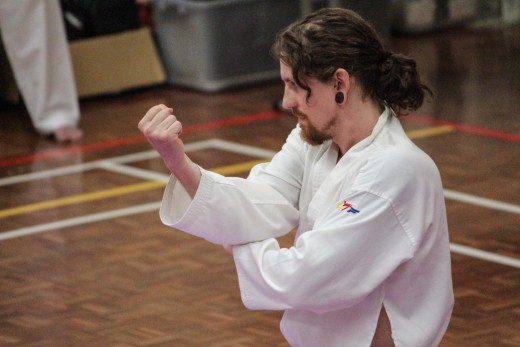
point(35, 42)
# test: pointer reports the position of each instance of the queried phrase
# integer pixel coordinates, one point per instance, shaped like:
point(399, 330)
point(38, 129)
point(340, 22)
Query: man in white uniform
point(35, 42)
point(370, 265)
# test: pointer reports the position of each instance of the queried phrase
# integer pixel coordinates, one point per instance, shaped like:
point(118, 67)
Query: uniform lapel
point(330, 175)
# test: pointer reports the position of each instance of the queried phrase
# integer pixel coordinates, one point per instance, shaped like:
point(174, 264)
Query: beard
point(312, 135)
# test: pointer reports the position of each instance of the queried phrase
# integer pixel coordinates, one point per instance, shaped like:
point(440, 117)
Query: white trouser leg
point(35, 42)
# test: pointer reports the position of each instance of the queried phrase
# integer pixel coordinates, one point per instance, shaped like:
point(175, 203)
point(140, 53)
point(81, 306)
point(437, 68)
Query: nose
point(289, 99)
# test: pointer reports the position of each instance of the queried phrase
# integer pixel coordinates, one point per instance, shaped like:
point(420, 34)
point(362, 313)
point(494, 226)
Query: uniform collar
point(381, 122)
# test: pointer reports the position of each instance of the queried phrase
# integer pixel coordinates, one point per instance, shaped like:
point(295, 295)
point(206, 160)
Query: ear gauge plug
point(339, 97)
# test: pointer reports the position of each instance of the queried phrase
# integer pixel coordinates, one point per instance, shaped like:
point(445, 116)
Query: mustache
point(298, 113)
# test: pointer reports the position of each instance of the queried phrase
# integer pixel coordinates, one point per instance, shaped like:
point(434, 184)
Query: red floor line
point(463, 127)
point(250, 118)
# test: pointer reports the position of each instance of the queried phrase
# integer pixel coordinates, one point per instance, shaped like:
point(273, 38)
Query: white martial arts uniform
point(372, 231)
point(35, 42)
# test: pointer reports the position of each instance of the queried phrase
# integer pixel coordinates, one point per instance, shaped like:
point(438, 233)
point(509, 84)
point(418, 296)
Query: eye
point(291, 84)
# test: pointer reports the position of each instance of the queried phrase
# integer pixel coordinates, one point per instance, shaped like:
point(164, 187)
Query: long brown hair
point(332, 38)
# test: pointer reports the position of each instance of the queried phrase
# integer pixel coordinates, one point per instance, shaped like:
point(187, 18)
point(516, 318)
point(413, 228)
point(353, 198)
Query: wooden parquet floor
point(85, 261)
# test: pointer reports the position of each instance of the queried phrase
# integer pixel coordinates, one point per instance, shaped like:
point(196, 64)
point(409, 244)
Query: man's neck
point(357, 124)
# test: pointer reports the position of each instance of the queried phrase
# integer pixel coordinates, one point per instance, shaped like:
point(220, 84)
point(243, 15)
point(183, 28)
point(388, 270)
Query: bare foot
point(67, 134)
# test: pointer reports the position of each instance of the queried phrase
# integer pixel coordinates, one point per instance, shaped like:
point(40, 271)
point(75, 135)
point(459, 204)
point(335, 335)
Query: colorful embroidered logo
point(342, 206)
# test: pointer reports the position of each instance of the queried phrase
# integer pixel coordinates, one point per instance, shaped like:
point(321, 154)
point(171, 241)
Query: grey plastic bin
point(213, 45)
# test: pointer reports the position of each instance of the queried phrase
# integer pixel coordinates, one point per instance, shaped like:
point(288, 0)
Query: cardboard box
point(212, 45)
point(113, 63)
point(103, 65)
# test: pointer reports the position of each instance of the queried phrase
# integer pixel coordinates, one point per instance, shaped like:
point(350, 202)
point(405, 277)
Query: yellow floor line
point(426, 132)
point(237, 168)
point(133, 188)
point(76, 199)
point(109, 193)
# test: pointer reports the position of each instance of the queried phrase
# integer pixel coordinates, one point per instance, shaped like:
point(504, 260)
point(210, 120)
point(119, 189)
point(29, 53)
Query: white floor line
point(230, 147)
point(67, 223)
point(199, 145)
point(134, 171)
point(488, 256)
point(77, 168)
point(129, 158)
point(133, 157)
point(479, 201)
point(154, 206)
point(448, 194)
point(114, 164)
point(242, 149)
point(48, 173)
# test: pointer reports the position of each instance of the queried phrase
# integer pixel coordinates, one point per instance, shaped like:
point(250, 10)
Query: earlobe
point(339, 97)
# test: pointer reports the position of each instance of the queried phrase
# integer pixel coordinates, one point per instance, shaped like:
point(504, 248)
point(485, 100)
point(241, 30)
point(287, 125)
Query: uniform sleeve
point(285, 171)
point(230, 210)
point(334, 266)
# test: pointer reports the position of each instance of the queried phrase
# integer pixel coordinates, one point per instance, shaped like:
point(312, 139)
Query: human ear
point(342, 85)
point(341, 80)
